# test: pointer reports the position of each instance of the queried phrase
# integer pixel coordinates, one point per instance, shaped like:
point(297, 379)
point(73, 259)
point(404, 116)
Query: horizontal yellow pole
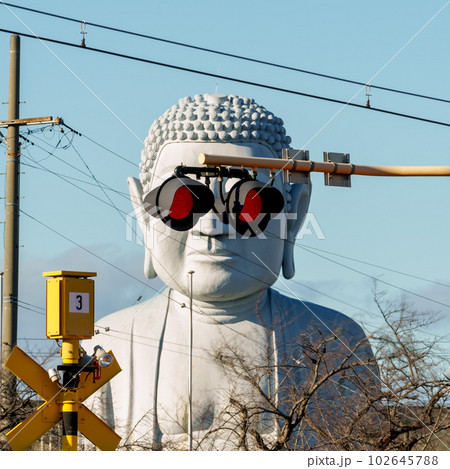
point(322, 167)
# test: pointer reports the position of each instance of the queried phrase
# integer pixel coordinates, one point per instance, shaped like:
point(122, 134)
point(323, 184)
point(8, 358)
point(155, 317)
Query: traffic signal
point(180, 202)
point(250, 206)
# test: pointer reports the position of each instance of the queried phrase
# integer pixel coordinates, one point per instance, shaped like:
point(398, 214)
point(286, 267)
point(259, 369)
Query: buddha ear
point(300, 197)
point(143, 219)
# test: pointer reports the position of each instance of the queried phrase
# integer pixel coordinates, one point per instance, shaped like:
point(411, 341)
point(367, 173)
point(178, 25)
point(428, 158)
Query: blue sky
point(398, 224)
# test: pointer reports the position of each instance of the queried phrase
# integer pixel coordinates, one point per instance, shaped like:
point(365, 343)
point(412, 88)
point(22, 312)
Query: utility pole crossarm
point(31, 121)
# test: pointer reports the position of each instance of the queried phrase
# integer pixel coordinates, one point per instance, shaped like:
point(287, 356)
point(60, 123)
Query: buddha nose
point(210, 225)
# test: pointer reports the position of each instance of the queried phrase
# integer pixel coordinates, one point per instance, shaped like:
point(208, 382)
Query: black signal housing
point(251, 204)
point(179, 202)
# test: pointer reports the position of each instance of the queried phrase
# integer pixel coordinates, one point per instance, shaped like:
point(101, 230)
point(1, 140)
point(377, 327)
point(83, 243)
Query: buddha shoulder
point(306, 315)
point(140, 315)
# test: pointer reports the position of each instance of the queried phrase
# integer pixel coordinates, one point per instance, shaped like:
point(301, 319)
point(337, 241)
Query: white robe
point(147, 402)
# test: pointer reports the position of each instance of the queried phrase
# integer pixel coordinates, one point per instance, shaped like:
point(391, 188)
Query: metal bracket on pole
point(296, 177)
point(333, 179)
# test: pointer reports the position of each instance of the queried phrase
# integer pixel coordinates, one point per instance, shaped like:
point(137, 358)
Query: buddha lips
point(181, 201)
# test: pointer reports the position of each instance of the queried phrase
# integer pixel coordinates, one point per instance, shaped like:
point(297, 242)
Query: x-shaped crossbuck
point(50, 412)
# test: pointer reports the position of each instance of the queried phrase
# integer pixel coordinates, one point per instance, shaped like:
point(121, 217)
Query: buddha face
point(227, 266)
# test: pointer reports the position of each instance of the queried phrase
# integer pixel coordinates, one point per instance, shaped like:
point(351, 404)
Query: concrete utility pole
point(12, 195)
point(11, 268)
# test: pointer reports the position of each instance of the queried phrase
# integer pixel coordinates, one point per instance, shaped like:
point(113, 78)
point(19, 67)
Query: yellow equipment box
point(70, 305)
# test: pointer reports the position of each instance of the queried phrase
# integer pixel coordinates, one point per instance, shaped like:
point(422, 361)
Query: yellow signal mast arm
point(293, 165)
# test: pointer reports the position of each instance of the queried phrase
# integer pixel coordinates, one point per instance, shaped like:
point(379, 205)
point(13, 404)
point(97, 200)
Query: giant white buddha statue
point(239, 323)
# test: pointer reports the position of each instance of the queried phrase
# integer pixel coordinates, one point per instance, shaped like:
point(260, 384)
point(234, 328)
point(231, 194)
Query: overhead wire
point(66, 179)
point(104, 185)
point(228, 54)
point(99, 144)
point(375, 278)
point(30, 304)
point(43, 168)
point(30, 309)
point(98, 183)
point(157, 340)
point(377, 266)
point(228, 78)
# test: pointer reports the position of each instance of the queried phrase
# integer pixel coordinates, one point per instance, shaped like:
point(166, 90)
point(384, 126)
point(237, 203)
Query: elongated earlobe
point(300, 197)
point(142, 217)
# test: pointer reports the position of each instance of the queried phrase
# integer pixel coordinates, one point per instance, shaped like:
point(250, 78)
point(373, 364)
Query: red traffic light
point(179, 202)
point(251, 205)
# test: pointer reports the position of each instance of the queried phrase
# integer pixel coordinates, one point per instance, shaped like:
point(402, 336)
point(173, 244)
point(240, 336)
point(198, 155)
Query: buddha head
point(227, 265)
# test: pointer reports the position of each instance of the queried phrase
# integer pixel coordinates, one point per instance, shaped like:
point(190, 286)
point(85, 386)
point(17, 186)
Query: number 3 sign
point(78, 302)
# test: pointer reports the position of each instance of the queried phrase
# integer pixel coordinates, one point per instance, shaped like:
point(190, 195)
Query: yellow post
point(69, 410)
point(70, 354)
point(70, 351)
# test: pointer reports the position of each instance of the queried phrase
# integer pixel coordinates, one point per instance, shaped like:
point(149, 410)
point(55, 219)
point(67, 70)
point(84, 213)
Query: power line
point(65, 178)
point(99, 145)
point(236, 80)
point(30, 309)
point(228, 54)
point(29, 304)
point(376, 279)
point(41, 167)
point(98, 183)
point(122, 194)
point(377, 266)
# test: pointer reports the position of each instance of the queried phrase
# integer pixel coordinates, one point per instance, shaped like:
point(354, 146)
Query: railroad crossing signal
point(249, 206)
point(70, 316)
point(50, 412)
